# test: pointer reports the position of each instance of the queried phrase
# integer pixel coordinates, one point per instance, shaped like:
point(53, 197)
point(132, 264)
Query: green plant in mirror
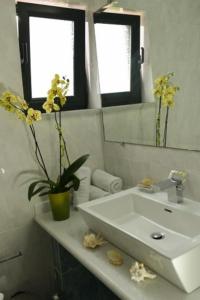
point(164, 91)
point(56, 98)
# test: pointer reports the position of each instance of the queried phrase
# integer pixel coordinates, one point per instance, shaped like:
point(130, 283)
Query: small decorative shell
point(139, 273)
point(92, 240)
point(146, 183)
point(115, 257)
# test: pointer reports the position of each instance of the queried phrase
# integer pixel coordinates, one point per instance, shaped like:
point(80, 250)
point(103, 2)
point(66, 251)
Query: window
point(118, 52)
point(52, 40)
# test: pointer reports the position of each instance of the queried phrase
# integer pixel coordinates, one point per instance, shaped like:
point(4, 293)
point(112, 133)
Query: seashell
point(92, 240)
point(139, 273)
point(115, 257)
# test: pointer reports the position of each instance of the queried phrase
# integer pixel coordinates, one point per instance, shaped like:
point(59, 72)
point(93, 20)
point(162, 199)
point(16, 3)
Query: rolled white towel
point(96, 193)
point(1, 296)
point(106, 181)
point(82, 195)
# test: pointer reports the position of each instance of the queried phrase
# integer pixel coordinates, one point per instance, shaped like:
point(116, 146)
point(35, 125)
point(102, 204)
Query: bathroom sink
point(162, 234)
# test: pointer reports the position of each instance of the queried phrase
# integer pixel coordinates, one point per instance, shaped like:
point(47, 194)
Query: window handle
point(141, 60)
point(24, 53)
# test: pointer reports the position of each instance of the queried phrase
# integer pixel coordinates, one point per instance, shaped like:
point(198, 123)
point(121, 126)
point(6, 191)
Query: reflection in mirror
point(174, 41)
point(118, 53)
point(130, 123)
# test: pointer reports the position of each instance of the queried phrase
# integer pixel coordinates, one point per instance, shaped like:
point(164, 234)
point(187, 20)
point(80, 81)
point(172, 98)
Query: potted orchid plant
point(58, 190)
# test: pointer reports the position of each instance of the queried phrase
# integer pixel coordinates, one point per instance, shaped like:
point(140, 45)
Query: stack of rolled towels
point(95, 185)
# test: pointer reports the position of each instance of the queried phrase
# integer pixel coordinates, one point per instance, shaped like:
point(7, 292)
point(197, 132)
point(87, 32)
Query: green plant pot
point(60, 206)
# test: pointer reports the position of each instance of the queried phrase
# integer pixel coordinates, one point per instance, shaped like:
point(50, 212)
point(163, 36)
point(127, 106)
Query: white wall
point(18, 232)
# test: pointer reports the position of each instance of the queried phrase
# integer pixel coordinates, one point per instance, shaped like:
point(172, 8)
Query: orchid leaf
point(45, 193)
point(34, 184)
point(39, 190)
point(66, 177)
point(76, 182)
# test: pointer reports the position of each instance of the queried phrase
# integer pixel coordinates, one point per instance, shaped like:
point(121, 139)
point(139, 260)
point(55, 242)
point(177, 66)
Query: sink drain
point(157, 235)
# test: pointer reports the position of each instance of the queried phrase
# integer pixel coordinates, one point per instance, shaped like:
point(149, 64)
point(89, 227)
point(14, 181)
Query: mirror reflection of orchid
point(54, 103)
point(165, 92)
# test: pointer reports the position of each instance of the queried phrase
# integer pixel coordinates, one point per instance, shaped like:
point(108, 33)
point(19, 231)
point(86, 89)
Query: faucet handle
point(179, 176)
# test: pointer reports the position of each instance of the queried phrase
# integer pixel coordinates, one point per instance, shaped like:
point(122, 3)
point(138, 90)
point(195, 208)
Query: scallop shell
point(139, 273)
point(92, 240)
point(115, 257)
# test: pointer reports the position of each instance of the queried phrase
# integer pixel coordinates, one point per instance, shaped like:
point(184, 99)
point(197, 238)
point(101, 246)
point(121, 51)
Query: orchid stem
point(59, 128)
point(165, 130)
point(158, 125)
point(37, 151)
point(60, 138)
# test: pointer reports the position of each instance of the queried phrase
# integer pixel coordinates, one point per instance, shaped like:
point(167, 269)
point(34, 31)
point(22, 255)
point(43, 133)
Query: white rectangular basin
point(128, 219)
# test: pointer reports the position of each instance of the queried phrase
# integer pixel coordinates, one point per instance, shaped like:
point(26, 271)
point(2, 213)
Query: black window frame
point(24, 11)
point(134, 96)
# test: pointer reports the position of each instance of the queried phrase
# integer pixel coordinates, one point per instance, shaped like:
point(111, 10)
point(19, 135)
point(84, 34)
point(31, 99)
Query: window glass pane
point(114, 57)
point(52, 51)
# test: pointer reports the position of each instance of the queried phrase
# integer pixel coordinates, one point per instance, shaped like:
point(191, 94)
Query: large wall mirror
point(174, 35)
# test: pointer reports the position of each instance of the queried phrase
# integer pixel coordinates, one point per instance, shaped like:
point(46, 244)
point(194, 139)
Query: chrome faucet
point(174, 186)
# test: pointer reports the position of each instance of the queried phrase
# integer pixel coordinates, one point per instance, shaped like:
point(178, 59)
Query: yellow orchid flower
point(161, 80)
point(63, 100)
point(8, 96)
point(12, 102)
point(8, 99)
point(163, 87)
point(32, 116)
point(2, 102)
point(55, 81)
point(59, 88)
point(8, 106)
point(157, 92)
point(50, 106)
point(24, 105)
point(52, 92)
point(57, 77)
point(164, 91)
point(168, 95)
point(172, 90)
point(21, 103)
point(168, 101)
point(53, 86)
point(59, 91)
point(62, 81)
